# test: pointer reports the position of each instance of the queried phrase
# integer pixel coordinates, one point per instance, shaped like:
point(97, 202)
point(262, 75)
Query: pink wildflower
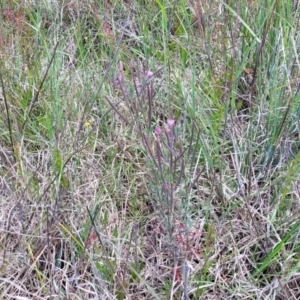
point(157, 131)
point(171, 123)
point(149, 74)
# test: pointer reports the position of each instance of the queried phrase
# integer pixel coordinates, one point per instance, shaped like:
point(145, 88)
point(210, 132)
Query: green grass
point(102, 196)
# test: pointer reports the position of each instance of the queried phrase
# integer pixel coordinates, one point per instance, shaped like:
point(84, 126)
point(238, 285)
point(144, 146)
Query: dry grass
point(102, 196)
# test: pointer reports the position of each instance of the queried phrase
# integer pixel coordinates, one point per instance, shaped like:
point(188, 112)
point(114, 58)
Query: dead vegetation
point(149, 150)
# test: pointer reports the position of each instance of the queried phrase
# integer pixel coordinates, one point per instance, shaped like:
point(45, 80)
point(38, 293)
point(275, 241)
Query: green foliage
point(218, 188)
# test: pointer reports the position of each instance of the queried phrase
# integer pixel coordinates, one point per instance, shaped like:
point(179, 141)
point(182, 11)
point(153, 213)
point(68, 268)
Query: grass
point(149, 150)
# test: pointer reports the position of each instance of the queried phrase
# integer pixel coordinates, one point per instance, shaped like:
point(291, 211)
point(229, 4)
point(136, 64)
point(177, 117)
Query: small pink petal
point(171, 122)
point(149, 74)
point(157, 131)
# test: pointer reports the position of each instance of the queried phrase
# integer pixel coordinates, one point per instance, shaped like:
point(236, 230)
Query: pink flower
point(157, 131)
point(171, 123)
point(149, 74)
